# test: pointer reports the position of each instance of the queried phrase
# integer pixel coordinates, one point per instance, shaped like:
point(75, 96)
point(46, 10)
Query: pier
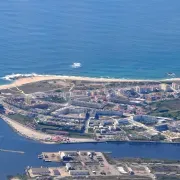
point(11, 151)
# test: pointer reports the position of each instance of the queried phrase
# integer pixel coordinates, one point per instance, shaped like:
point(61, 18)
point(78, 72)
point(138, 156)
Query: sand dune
point(27, 80)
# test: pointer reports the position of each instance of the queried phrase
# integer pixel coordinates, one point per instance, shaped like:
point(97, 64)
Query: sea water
point(115, 38)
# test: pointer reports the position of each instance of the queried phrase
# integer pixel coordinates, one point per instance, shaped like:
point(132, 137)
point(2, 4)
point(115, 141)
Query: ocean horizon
point(116, 39)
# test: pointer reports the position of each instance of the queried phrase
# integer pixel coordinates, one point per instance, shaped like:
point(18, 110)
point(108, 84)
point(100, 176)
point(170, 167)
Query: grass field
point(168, 108)
point(20, 118)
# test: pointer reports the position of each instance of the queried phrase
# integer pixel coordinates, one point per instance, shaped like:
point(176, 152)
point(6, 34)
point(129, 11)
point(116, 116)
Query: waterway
point(13, 163)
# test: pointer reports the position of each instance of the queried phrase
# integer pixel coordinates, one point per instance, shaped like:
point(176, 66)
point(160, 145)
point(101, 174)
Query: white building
point(165, 87)
point(146, 89)
point(176, 86)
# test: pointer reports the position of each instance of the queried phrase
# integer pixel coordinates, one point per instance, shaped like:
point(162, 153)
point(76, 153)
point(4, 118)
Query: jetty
point(12, 151)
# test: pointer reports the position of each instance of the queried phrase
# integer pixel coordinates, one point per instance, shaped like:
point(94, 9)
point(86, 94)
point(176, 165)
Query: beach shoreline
point(27, 80)
point(37, 135)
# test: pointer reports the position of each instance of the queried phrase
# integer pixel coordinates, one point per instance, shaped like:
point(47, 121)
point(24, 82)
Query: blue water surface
point(116, 38)
point(13, 163)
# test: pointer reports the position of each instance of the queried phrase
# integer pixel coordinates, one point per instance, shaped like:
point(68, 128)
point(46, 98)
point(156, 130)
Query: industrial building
point(79, 173)
point(40, 171)
point(145, 119)
point(81, 164)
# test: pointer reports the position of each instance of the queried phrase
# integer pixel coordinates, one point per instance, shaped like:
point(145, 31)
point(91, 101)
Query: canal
point(13, 163)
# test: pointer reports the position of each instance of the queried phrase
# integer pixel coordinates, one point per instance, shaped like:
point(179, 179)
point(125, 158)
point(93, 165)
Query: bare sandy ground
point(27, 80)
point(36, 135)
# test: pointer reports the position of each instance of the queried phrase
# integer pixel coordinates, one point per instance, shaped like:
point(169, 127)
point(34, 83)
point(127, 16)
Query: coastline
point(43, 137)
point(38, 78)
point(39, 136)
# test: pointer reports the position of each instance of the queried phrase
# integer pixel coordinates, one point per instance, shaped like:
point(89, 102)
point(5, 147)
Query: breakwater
point(12, 151)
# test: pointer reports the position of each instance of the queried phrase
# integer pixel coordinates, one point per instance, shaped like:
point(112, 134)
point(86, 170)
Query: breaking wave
point(76, 65)
point(13, 76)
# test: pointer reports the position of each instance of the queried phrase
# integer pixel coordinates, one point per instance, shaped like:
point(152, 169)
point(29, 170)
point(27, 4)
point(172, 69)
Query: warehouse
point(40, 171)
point(79, 173)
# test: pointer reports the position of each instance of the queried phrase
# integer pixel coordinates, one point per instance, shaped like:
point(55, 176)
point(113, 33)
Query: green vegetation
point(90, 130)
point(176, 140)
point(79, 135)
point(44, 127)
point(109, 158)
point(158, 137)
point(59, 90)
point(56, 99)
point(145, 160)
point(167, 108)
point(21, 118)
point(18, 176)
point(171, 114)
point(165, 177)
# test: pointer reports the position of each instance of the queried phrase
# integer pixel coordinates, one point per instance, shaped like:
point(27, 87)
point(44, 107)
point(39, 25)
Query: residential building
point(161, 127)
point(121, 122)
point(176, 86)
point(165, 87)
point(145, 119)
point(87, 104)
point(109, 113)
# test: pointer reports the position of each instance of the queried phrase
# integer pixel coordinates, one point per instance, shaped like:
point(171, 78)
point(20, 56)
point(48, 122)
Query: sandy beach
point(26, 80)
point(36, 135)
